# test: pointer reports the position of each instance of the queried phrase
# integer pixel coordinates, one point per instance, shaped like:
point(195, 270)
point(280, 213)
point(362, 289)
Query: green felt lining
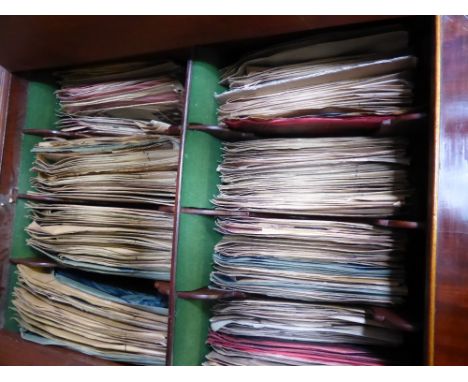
point(197, 237)
point(41, 106)
point(191, 330)
point(202, 151)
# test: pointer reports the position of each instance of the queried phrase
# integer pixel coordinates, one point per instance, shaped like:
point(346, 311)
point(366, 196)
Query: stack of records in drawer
point(98, 207)
point(280, 332)
point(348, 73)
point(354, 176)
point(310, 260)
point(309, 257)
point(112, 240)
point(69, 309)
point(140, 169)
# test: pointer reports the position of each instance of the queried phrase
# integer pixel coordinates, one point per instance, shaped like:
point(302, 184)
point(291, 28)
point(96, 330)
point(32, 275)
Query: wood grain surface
point(39, 42)
point(449, 271)
point(14, 351)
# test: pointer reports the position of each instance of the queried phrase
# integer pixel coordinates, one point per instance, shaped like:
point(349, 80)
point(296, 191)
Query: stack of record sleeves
point(97, 207)
point(306, 250)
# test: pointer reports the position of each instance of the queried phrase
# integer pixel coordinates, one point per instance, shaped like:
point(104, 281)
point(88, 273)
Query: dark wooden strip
point(47, 263)
point(163, 287)
point(53, 133)
point(13, 112)
point(103, 203)
point(5, 209)
point(173, 131)
point(14, 351)
point(168, 209)
point(388, 223)
point(213, 212)
point(36, 262)
point(405, 125)
point(390, 127)
point(401, 224)
point(223, 133)
point(210, 294)
point(388, 316)
point(5, 83)
point(380, 314)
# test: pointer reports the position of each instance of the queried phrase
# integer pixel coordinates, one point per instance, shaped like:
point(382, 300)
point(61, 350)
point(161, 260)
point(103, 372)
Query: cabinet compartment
point(200, 157)
point(192, 307)
point(40, 107)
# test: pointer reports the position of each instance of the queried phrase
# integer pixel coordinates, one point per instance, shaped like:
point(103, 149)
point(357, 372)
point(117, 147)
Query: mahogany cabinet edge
point(449, 263)
point(14, 351)
point(5, 82)
point(5, 209)
point(12, 113)
point(45, 42)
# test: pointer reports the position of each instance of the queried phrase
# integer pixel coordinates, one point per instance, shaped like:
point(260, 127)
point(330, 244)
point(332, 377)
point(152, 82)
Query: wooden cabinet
point(33, 46)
